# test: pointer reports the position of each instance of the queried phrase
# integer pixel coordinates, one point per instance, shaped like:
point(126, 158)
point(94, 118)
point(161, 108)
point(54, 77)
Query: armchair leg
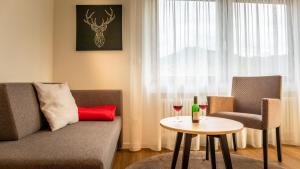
point(234, 141)
point(265, 148)
point(279, 155)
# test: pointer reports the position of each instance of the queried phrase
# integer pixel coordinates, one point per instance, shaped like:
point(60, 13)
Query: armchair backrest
point(249, 91)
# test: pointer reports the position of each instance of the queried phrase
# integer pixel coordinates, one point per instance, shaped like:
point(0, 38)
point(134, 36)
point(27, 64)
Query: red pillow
point(96, 113)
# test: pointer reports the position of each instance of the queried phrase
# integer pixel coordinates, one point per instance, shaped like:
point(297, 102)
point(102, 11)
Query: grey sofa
point(27, 143)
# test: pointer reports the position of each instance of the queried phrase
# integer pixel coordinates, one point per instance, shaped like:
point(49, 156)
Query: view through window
point(195, 36)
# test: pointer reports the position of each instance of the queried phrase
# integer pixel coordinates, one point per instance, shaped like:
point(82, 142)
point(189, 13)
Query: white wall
point(26, 40)
point(38, 40)
point(90, 69)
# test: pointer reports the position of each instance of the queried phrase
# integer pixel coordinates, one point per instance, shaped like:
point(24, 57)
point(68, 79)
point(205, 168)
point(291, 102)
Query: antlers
point(111, 17)
point(93, 21)
point(88, 18)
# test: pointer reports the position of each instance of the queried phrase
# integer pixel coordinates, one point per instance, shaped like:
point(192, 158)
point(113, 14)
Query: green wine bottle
point(195, 111)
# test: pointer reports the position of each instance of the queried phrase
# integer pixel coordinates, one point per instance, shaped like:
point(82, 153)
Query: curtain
point(145, 111)
point(194, 47)
point(263, 41)
point(190, 63)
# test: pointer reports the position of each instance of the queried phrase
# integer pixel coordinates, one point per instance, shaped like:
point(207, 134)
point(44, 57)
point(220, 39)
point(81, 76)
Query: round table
point(213, 127)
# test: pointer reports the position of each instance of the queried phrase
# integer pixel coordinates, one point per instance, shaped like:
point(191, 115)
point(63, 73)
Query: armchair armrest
point(220, 104)
point(98, 98)
point(271, 115)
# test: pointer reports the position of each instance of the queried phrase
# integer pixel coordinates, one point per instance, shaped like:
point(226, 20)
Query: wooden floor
point(291, 156)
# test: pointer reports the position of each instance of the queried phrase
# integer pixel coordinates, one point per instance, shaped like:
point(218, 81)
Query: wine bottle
point(195, 111)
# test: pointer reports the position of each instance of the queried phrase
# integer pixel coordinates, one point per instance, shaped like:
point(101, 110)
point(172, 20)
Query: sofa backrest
point(98, 98)
point(19, 111)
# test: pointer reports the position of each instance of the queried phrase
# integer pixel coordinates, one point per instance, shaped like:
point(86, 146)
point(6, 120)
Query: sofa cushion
point(57, 104)
point(89, 98)
point(97, 113)
point(83, 145)
point(19, 111)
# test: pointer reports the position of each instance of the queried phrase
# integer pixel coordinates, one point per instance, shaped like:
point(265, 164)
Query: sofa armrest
point(271, 109)
point(220, 104)
point(98, 98)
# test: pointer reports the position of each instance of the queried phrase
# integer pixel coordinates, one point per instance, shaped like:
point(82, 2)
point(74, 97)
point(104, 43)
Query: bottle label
point(196, 115)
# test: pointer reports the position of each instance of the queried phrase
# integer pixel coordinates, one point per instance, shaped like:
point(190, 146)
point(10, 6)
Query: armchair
point(255, 102)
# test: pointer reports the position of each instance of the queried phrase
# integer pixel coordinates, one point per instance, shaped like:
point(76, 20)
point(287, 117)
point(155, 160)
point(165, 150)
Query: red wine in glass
point(177, 108)
point(203, 106)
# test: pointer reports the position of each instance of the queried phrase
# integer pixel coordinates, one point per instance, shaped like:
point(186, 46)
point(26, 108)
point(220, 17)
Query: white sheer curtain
point(145, 98)
point(261, 43)
point(189, 55)
point(194, 47)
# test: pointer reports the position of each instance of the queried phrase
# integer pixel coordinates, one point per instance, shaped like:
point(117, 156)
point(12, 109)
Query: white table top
point(207, 125)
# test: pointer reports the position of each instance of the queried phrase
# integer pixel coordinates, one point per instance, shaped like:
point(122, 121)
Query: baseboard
point(139, 147)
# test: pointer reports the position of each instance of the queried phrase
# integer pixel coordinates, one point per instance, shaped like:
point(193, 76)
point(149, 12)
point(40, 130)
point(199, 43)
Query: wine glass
point(203, 107)
point(177, 106)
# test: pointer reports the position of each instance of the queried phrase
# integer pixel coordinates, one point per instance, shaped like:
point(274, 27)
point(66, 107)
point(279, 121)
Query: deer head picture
point(99, 29)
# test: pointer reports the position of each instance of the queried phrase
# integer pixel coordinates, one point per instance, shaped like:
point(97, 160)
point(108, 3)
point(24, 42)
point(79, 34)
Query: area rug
point(163, 161)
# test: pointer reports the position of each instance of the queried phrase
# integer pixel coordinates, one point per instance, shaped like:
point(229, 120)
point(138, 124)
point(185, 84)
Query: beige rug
point(163, 161)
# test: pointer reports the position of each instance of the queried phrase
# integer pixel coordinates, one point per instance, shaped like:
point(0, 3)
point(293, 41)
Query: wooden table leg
point(212, 152)
point(207, 148)
point(186, 151)
point(176, 150)
point(225, 151)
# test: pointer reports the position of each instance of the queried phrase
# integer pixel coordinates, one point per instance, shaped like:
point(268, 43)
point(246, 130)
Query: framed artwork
point(99, 27)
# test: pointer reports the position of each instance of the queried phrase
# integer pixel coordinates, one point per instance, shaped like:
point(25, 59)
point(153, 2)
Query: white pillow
point(57, 104)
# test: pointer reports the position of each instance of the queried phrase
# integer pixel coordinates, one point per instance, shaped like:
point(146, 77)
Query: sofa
point(27, 143)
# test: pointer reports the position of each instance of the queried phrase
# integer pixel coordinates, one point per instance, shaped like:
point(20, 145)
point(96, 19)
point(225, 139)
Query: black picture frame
point(98, 27)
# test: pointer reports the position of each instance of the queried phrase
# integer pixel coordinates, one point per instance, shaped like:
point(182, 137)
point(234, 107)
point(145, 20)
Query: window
point(188, 34)
point(259, 29)
point(202, 41)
